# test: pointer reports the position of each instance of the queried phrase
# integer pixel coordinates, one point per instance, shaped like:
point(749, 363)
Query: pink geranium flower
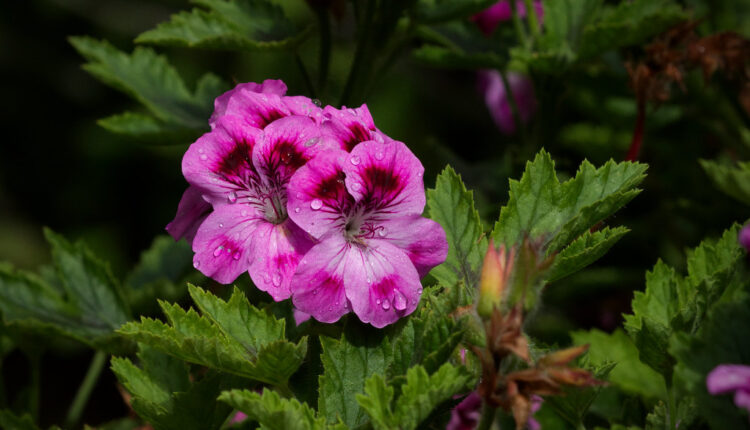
point(490, 18)
point(191, 211)
point(731, 378)
point(365, 209)
point(496, 97)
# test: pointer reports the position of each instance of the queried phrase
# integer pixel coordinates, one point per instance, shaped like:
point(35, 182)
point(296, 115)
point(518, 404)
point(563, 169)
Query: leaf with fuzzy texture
point(452, 206)
point(734, 181)
point(672, 303)
point(164, 395)
point(583, 251)
point(222, 338)
point(541, 206)
point(246, 25)
point(148, 78)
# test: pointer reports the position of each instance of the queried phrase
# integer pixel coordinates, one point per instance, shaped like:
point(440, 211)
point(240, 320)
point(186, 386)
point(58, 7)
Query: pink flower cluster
point(315, 203)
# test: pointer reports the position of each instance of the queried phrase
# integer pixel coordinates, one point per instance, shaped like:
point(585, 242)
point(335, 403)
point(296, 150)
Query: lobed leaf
point(273, 412)
point(733, 181)
point(583, 251)
point(452, 206)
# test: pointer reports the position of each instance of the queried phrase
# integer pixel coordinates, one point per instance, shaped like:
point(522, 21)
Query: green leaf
point(420, 395)
point(153, 82)
point(672, 303)
point(164, 395)
point(629, 374)
point(273, 412)
point(721, 340)
point(540, 206)
point(574, 404)
point(733, 181)
point(433, 11)
point(87, 306)
point(658, 419)
point(9, 420)
point(583, 251)
point(347, 364)
point(223, 338)
point(439, 56)
point(246, 25)
point(452, 206)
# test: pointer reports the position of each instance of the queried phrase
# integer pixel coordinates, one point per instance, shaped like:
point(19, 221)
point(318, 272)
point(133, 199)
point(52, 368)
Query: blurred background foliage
point(58, 168)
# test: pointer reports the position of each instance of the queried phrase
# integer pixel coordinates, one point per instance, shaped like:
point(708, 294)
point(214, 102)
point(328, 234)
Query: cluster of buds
point(509, 278)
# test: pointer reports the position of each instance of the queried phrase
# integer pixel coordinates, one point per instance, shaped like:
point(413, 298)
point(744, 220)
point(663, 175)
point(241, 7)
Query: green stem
point(672, 411)
point(84, 391)
point(324, 24)
point(488, 417)
point(518, 25)
point(305, 75)
point(531, 16)
point(34, 387)
point(513, 105)
point(363, 45)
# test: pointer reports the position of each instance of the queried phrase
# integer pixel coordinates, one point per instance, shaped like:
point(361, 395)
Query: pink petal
point(381, 283)
point(285, 146)
point(496, 97)
point(257, 109)
point(742, 399)
point(744, 237)
point(238, 417)
point(422, 239)
point(351, 126)
point(728, 377)
point(386, 178)
point(269, 86)
point(218, 163)
point(300, 317)
point(318, 199)
point(277, 248)
point(301, 105)
point(191, 211)
point(318, 284)
point(222, 246)
point(465, 415)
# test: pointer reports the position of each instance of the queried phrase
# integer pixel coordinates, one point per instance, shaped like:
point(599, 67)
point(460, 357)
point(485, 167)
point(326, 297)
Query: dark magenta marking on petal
point(384, 180)
point(289, 155)
point(237, 160)
point(359, 133)
point(267, 117)
point(287, 260)
point(384, 288)
point(332, 187)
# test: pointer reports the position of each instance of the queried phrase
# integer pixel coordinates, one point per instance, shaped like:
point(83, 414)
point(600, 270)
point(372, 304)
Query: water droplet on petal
point(369, 281)
point(200, 150)
point(379, 155)
point(276, 279)
point(217, 251)
point(382, 232)
point(236, 255)
point(311, 142)
point(316, 204)
point(386, 304)
point(204, 157)
point(266, 278)
point(354, 160)
point(196, 264)
point(399, 302)
point(356, 186)
point(378, 301)
point(243, 213)
point(317, 102)
point(296, 210)
point(232, 196)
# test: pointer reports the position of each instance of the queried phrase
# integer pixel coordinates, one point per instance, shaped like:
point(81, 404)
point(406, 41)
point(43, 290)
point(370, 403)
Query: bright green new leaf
point(723, 339)
point(164, 395)
point(588, 248)
point(347, 364)
point(420, 395)
point(629, 374)
point(227, 24)
point(541, 206)
point(452, 206)
point(672, 303)
point(273, 412)
point(734, 181)
point(153, 82)
point(84, 302)
point(223, 338)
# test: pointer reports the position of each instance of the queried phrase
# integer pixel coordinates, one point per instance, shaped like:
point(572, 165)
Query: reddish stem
point(635, 145)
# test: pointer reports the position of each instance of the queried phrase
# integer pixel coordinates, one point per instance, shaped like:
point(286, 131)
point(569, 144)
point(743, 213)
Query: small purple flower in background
point(744, 237)
point(728, 378)
point(496, 97)
point(465, 416)
point(365, 209)
point(490, 18)
point(536, 404)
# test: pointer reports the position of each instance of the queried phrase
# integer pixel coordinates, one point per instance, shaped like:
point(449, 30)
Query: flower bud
point(496, 270)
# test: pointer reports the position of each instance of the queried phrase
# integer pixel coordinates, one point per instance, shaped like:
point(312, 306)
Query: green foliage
point(721, 340)
point(233, 337)
point(419, 396)
point(273, 412)
point(84, 303)
point(575, 403)
point(247, 25)
point(629, 374)
point(9, 420)
point(175, 113)
point(583, 251)
point(734, 181)
point(456, 58)
point(541, 206)
point(452, 206)
point(432, 11)
point(164, 395)
point(672, 303)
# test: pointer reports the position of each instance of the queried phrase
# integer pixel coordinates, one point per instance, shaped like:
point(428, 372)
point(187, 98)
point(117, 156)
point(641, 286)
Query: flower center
point(274, 207)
